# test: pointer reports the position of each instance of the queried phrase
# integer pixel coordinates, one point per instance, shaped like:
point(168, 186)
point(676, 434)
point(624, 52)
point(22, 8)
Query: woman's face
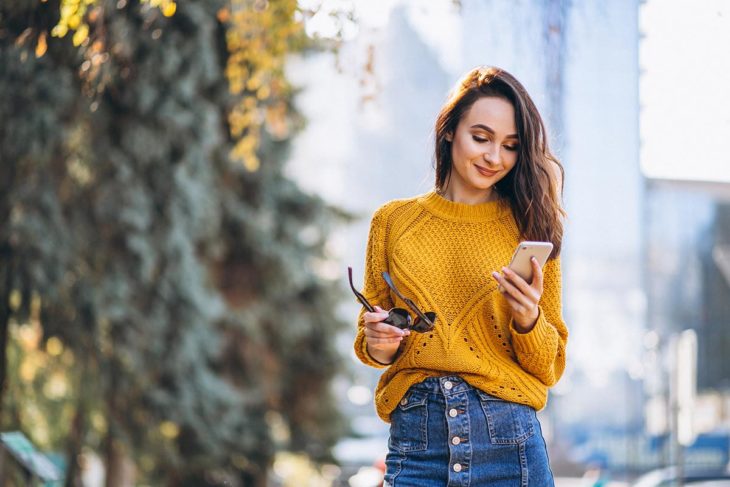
point(484, 148)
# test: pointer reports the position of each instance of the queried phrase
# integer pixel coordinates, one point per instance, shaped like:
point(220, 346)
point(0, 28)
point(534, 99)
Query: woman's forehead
point(494, 113)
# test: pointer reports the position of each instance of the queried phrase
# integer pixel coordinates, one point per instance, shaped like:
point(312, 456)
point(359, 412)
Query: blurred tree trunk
point(6, 284)
point(120, 471)
point(7, 179)
point(80, 423)
point(75, 443)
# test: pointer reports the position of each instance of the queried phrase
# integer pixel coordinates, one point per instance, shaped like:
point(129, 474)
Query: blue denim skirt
point(445, 432)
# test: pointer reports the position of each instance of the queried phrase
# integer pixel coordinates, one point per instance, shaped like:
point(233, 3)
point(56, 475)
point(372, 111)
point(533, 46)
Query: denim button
point(453, 413)
point(455, 440)
point(457, 467)
point(404, 401)
point(448, 385)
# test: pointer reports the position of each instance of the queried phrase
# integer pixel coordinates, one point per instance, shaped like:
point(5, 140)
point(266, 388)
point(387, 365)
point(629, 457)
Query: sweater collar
point(450, 210)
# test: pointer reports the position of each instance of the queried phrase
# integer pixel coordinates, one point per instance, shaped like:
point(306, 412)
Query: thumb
point(378, 309)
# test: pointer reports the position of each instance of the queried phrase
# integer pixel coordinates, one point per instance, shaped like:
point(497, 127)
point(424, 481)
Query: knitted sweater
point(441, 255)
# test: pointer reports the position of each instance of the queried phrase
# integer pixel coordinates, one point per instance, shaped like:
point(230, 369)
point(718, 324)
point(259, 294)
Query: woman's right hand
point(382, 339)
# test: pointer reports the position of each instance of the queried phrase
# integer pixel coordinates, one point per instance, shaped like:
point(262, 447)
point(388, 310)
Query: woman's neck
point(470, 197)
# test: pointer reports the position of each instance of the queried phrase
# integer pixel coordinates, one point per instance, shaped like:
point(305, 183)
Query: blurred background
point(183, 185)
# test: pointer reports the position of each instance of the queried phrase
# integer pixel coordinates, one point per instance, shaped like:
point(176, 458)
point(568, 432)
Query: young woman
point(464, 380)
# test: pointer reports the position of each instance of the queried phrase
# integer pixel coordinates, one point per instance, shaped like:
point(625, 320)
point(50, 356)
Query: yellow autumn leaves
point(74, 11)
point(259, 35)
point(167, 7)
point(42, 46)
point(72, 19)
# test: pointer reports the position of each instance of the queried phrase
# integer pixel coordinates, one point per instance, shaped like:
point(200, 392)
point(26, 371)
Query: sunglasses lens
point(398, 317)
point(423, 326)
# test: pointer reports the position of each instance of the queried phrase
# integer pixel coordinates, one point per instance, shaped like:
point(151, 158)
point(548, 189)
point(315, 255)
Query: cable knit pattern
point(441, 254)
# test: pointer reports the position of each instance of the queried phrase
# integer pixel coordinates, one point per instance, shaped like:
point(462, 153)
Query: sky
point(684, 95)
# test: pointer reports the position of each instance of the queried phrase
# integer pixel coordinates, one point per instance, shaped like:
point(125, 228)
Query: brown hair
point(534, 186)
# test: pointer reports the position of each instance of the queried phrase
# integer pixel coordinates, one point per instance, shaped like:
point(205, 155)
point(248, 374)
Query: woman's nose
point(491, 155)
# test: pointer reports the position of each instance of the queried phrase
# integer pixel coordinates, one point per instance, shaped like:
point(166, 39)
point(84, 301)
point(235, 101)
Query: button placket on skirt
point(458, 427)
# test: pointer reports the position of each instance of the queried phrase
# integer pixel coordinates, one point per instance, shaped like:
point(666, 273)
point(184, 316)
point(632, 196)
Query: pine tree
point(182, 284)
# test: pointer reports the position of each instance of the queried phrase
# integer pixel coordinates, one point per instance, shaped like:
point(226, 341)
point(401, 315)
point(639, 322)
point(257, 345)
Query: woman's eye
point(478, 139)
point(511, 147)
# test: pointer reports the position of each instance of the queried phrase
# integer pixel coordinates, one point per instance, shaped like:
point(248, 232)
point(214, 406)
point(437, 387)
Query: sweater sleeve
point(376, 290)
point(541, 351)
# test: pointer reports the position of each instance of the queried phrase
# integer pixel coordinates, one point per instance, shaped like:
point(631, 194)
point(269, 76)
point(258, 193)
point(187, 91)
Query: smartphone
point(520, 262)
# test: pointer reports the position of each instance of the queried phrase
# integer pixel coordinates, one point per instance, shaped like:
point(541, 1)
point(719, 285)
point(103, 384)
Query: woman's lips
point(485, 172)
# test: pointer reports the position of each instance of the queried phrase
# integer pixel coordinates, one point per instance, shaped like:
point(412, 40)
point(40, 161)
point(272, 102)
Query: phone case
point(520, 262)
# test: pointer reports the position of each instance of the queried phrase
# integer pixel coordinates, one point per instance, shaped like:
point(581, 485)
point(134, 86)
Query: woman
point(461, 388)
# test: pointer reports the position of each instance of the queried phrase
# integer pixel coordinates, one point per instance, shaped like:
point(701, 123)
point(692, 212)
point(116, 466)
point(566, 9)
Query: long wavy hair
point(534, 186)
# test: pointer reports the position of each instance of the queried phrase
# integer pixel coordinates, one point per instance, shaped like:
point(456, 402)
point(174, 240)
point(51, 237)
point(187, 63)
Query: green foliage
point(183, 287)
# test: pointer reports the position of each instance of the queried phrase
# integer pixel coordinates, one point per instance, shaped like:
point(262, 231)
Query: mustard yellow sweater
point(441, 255)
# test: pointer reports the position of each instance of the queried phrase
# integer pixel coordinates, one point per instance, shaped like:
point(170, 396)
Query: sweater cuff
point(365, 357)
point(533, 340)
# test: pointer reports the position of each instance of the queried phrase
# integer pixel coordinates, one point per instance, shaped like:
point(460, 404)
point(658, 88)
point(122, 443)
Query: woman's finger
point(515, 305)
point(537, 275)
point(369, 332)
point(385, 329)
point(518, 301)
point(506, 287)
point(529, 291)
point(369, 317)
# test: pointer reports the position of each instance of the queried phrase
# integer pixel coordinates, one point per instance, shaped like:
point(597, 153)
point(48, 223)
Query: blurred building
point(642, 259)
point(688, 288)
point(686, 222)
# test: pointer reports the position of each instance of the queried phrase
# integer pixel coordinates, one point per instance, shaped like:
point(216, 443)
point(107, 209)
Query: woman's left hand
point(521, 296)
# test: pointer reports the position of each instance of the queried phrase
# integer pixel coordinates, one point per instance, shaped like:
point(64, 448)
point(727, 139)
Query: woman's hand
point(382, 339)
point(521, 296)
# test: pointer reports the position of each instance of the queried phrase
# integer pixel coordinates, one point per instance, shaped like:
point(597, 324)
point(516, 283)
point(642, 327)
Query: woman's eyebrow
point(491, 131)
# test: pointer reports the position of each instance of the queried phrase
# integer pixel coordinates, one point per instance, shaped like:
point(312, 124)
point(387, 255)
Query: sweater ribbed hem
point(463, 212)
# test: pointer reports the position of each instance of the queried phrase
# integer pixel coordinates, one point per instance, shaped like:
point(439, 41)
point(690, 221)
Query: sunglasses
point(399, 317)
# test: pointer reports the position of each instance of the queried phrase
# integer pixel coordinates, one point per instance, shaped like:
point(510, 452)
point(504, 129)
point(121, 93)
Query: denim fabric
point(444, 432)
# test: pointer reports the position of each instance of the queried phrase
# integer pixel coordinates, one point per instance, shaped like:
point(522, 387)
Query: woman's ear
point(449, 136)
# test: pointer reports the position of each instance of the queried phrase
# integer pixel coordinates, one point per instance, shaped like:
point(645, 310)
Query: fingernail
point(533, 259)
point(495, 275)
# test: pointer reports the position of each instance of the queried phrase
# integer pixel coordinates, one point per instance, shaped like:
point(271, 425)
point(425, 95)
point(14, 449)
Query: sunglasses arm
point(390, 284)
point(358, 295)
point(408, 302)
